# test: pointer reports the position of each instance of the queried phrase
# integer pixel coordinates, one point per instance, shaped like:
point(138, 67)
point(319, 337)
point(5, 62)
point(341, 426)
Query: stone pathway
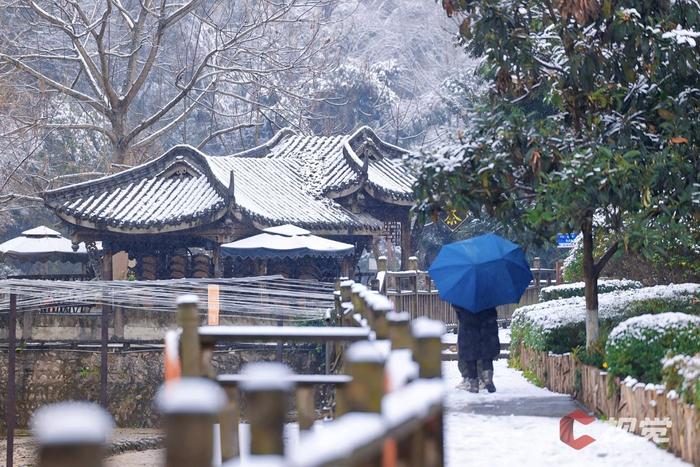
point(519, 425)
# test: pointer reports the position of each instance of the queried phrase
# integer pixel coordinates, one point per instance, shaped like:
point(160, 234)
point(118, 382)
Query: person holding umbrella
point(475, 276)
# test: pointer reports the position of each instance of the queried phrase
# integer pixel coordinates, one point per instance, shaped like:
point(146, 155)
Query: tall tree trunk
point(590, 273)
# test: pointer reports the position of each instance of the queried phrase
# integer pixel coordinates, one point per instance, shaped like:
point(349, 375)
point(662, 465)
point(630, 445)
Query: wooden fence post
point(379, 306)
point(71, 434)
point(427, 352)
point(306, 406)
point(358, 303)
point(190, 348)
point(399, 330)
point(229, 419)
point(266, 389)
point(190, 406)
point(365, 363)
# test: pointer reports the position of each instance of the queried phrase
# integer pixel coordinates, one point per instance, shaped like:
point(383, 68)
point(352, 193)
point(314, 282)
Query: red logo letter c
point(566, 429)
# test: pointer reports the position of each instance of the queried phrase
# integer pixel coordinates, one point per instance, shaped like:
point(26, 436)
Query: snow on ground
point(519, 425)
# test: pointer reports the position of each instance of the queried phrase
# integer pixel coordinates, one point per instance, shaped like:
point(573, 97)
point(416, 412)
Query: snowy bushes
point(681, 373)
point(637, 346)
point(559, 325)
point(576, 289)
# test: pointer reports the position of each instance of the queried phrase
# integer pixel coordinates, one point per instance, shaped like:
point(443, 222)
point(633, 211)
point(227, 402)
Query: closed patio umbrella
point(42, 244)
point(286, 241)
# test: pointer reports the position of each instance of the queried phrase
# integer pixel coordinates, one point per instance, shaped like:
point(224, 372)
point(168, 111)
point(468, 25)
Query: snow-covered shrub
point(560, 325)
point(636, 347)
point(576, 289)
point(681, 373)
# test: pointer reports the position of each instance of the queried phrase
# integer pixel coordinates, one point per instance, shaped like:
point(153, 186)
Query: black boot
point(472, 384)
point(487, 376)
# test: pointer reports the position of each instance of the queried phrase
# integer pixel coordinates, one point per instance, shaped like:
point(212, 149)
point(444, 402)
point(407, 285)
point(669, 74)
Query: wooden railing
point(414, 291)
point(388, 406)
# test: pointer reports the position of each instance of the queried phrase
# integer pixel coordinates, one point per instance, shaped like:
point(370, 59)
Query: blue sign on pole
point(566, 240)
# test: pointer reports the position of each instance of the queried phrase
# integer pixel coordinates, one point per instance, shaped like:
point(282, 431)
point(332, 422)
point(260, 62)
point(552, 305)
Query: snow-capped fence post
point(364, 362)
point(358, 303)
point(379, 307)
point(266, 389)
point(190, 407)
point(188, 320)
point(345, 301)
point(399, 330)
point(427, 351)
point(71, 434)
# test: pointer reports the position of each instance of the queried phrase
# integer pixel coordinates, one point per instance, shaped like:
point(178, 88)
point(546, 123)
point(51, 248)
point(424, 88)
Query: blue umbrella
point(481, 272)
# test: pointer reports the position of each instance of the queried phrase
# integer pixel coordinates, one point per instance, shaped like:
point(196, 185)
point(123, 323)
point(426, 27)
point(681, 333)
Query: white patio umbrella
point(43, 244)
point(286, 241)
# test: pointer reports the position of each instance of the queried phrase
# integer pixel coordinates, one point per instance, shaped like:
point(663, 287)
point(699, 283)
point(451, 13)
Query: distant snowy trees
point(94, 86)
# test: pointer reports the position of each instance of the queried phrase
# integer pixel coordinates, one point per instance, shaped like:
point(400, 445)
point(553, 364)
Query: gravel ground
point(25, 447)
point(149, 458)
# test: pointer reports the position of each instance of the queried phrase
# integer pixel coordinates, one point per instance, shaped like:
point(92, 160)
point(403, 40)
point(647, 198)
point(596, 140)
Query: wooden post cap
point(412, 263)
point(379, 307)
point(190, 406)
point(399, 330)
point(71, 423)
point(188, 396)
point(187, 299)
point(382, 263)
point(71, 434)
point(266, 386)
point(365, 363)
point(427, 353)
point(345, 290)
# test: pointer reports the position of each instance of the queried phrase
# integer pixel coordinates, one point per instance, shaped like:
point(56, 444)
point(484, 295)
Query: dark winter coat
point(478, 335)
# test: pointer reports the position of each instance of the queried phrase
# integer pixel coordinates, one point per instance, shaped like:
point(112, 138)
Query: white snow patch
point(266, 376)
point(557, 313)
point(426, 328)
point(367, 352)
point(638, 326)
point(71, 423)
point(190, 396)
point(519, 425)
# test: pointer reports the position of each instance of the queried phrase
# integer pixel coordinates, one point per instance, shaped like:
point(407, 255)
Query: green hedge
point(559, 326)
point(637, 346)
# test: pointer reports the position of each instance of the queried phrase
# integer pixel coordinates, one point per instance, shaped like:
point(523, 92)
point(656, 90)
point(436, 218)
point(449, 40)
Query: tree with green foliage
point(590, 123)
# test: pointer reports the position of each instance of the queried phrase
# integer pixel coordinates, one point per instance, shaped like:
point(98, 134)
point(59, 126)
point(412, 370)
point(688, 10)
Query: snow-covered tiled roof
point(291, 179)
point(339, 165)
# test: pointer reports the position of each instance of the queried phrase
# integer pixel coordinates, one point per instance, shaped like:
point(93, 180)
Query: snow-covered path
point(519, 426)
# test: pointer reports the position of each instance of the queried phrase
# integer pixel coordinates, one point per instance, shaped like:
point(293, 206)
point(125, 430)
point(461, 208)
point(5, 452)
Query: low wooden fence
point(388, 407)
point(414, 291)
point(619, 400)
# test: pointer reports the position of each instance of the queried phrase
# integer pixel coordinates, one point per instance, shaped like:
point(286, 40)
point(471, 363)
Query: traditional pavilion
point(172, 214)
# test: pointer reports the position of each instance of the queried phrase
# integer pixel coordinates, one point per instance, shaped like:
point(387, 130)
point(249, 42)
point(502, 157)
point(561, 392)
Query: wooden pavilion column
point(217, 261)
point(107, 274)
